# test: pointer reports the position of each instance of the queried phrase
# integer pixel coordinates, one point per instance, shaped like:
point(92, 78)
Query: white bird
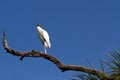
point(44, 37)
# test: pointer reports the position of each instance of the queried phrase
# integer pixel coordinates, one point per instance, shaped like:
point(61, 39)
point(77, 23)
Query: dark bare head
point(40, 26)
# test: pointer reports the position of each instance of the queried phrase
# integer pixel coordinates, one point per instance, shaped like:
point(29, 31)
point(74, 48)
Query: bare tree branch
point(59, 64)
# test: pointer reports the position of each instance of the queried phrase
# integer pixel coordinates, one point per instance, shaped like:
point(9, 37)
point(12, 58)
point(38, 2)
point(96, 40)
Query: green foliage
point(113, 65)
point(84, 76)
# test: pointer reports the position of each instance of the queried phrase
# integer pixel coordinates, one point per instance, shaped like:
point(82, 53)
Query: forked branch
point(59, 64)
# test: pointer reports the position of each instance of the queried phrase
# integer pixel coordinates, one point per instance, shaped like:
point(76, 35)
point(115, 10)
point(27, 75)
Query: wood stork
point(44, 37)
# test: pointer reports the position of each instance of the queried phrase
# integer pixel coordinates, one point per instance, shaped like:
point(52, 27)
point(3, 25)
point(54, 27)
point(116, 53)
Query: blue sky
point(80, 30)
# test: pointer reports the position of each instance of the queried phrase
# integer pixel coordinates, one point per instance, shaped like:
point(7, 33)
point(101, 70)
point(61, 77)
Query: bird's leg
point(45, 49)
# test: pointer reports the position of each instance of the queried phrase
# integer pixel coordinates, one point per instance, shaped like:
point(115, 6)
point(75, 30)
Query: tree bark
point(59, 64)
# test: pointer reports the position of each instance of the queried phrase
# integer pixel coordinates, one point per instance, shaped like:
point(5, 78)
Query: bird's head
point(39, 25)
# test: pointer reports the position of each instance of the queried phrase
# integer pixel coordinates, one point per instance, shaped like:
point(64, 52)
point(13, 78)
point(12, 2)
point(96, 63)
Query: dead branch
point(59, 64)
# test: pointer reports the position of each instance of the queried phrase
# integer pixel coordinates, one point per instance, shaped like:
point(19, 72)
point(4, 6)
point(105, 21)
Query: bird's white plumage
point(44, 36)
